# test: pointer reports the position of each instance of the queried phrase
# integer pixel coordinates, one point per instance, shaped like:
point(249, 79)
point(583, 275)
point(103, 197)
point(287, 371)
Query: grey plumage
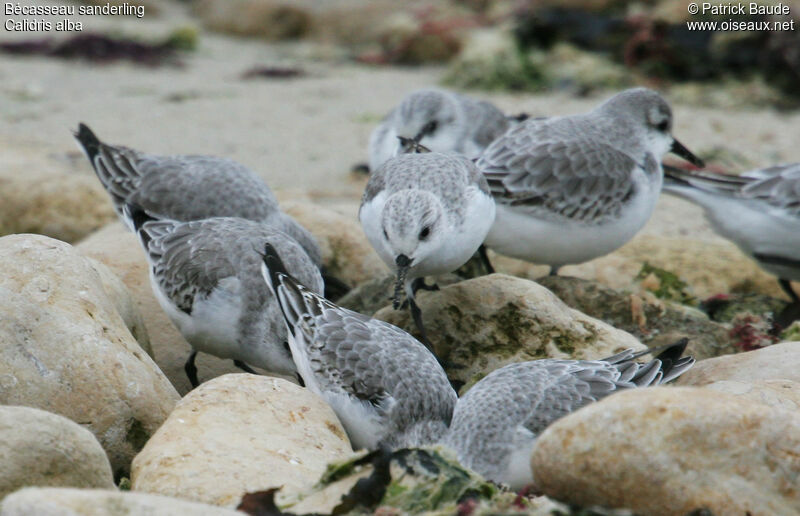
point(571, 188)
point(759, 211)
point(445, 175)
point(386, 387)
point(775, 187)
point(207, 277)
point(188, 188)
point(442, 120)
point(497, 421)
point(425, 214)
point(577, 167)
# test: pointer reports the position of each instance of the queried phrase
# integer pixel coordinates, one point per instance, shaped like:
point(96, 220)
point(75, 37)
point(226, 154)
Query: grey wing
point(185, 260)
point(554, 171)
point(198, 187)
point(491, 122)
point(375, 362)
point(568, 387)
point(778, 185)
point(118, 171)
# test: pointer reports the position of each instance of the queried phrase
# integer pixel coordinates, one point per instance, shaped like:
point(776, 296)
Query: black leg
point(786, 285)
point(554, 270)
point(191, 369)
point(485, 259)
point(416, 314)
point(419, 284)
point(244, 367)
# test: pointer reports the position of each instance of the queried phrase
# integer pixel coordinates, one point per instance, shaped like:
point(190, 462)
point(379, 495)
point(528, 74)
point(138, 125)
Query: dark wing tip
point(88, 140)
point(275, 266)
point(673, 351)
point(138, 217)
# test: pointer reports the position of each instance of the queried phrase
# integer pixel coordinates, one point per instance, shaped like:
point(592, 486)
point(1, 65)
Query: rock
point(673, 450)
point(783, 394)
point(240, 433)
point(484, 323)
point(273, 20)
point(119, 249)
point(59, 205)
point(95, 502)
point(779, 361)
point(346, 252)
point(651, 320)
point(64, 348)
point(38, 448)
point(709, 267)
point(123, 301)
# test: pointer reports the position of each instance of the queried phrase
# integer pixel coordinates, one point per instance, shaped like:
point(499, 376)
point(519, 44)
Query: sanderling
point(386, 388)
point(759, 211)
point(206, 275)
point(188, 188)
point(496, 423)
point(442, 121)
point(572, 188)
point(425, 214)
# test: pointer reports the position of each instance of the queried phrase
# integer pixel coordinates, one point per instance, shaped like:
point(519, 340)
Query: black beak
point(403, 263)
point(412, 145)
point(679, 149)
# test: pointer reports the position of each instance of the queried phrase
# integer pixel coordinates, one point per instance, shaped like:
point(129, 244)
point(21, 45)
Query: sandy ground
point(301, 134)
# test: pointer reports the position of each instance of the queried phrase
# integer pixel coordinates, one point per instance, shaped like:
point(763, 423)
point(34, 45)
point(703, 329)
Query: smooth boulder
point(38, 448)
point(240, 433)
point(65, 349)
point(96, 502)
point(779, 361)
point(38, 199)
point(671, 451)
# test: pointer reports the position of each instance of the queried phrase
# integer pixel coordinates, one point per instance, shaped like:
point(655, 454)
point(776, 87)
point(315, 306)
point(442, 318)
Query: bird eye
point(663, 126)
point(425, 232)
point(430, 127)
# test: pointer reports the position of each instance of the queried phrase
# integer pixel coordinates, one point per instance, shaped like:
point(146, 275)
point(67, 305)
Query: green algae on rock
point(481, 324)
point(665, 285)
point(651, 320)
point(416, 480)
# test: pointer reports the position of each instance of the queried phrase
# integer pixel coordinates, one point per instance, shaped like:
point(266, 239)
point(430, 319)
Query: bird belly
point(212, 327)
point(561, 242)
point(518, 473)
